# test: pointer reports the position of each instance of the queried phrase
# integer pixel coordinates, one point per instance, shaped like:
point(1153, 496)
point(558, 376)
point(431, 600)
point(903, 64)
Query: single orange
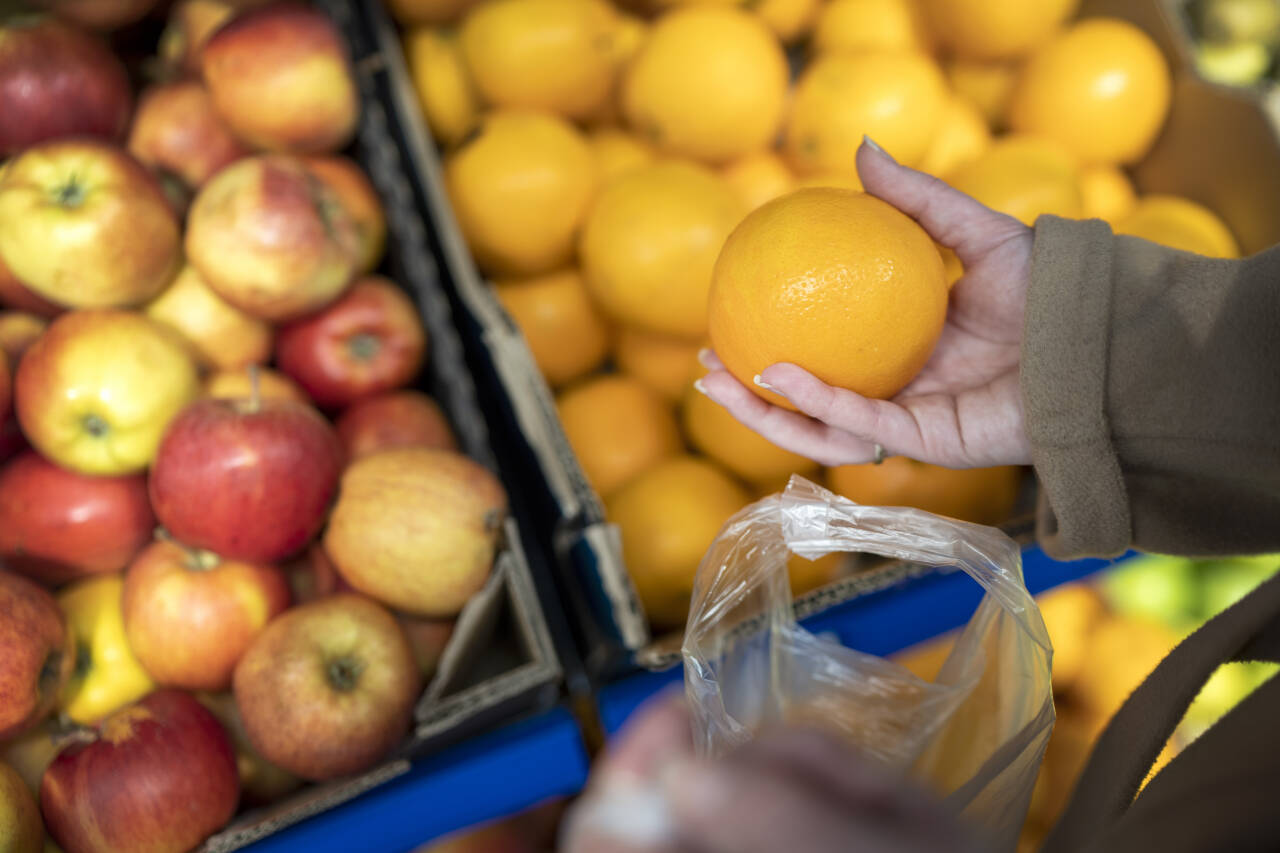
point(836, 281)
point(566, 334)
point(712, 430)
point(667, 365)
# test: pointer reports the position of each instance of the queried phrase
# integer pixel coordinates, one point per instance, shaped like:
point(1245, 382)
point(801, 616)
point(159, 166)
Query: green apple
point(1156, 587)
point(21, 830)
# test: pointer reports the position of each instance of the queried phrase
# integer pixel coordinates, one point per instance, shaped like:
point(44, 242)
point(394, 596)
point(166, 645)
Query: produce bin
point(1235, 171)
point(501, 665)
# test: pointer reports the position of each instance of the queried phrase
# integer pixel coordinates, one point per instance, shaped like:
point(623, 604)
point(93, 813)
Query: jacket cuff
point(1084, 508)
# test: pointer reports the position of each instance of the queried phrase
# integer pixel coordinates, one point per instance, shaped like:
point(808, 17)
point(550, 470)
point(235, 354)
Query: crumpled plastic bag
point(976, 734)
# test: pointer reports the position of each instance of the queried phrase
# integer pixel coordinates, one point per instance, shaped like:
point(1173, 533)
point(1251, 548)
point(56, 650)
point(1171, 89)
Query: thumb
point(955, 220)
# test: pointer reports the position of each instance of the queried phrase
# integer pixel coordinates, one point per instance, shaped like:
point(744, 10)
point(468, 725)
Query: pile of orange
point(599, 156)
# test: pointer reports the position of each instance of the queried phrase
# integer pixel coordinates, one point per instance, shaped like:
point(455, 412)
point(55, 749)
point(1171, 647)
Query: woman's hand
point(964, 409)
point(794, 790)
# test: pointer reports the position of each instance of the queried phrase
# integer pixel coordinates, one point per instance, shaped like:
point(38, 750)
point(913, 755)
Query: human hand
point(789, 789)
point(964, 409)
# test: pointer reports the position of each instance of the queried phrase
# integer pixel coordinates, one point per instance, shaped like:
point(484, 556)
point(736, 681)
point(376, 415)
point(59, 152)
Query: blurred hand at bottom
point(792, 790)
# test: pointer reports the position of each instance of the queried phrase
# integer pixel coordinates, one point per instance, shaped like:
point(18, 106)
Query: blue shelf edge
point(881, 623)
point(489, 777)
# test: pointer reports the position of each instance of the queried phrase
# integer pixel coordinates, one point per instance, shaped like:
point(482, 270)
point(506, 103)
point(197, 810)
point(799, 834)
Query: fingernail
point(765, 385)
point(702, 389)
point(871, 143)
point(704, 357)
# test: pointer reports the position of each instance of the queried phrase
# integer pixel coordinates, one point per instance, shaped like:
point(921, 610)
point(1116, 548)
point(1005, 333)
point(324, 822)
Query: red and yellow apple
point(160, 775)
point(97, 390)
point(261, 782)
point(56, 81)
point(19, 330)
point(220, 335)
point(57, 525)
point(177, 131)
point(247, 479)
point(369, 341)
point(36, 653)
point(99, 14)
point(391, 420)
point(281, 77)
point(85, 225)
point(353, 189)
point(271, 238)
point(20, 828)
point(107, 675)
point(189, 614)
point(328, 688)
point(239, 385)
point(416, 528)
point(14, 294)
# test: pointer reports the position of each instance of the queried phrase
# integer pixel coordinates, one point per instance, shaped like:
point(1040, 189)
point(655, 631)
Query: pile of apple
point(216, 579)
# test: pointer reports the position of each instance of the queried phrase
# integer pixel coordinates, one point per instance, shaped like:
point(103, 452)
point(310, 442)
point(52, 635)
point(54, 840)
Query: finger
point(736, 806)
point(871, 421)
point(656, 734)
point(707, 358)
point(952, 218)
point(789, 430)
point(830, 763)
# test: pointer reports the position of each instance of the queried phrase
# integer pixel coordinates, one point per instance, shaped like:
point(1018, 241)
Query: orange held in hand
point(835, 281)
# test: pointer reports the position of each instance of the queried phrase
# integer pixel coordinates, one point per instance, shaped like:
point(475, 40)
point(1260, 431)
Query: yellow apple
point(31, 752)
point(238, 385)
point(21, 830)
point(221, 336)
point(85, 225)
point(18, 330)
point(107, 674)
point(95, 392)
point(271, 238)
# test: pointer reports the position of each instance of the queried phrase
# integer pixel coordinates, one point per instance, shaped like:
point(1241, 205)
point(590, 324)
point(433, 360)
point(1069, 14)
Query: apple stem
point(255, 390)
point(344, 673)
point(95, 425)
point(200, 560)
point(364, 346)
point(69, 194)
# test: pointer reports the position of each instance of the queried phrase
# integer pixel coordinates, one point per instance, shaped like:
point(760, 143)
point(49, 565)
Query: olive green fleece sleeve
point(1151, 385)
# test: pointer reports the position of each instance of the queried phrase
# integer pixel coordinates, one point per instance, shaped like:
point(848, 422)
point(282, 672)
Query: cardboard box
point(501, 662)
point(1235, 169)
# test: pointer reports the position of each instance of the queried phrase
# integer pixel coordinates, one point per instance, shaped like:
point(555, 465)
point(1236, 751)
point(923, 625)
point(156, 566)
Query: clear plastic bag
point(976, 734)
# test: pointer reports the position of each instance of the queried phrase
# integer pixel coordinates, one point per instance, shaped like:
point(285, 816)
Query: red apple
point(6, 390)
point(311, 575)
point(14, 294)
point(416, 528)
point(239, 384)
point(189, 615)
point(351, 185)
point(391, 420)
point(261, 782)
point(85, 225)
point(99, 14)
point(159, 776)
point(177, 130)
point(37, 653)
point(56, 525)
point(95, 392)
point(56, 80)
point(247, 479)
point(328, 688)
point(428, 639)
point(19, 330)
point(271, 238)
point(281, 77)
point(367, 342)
